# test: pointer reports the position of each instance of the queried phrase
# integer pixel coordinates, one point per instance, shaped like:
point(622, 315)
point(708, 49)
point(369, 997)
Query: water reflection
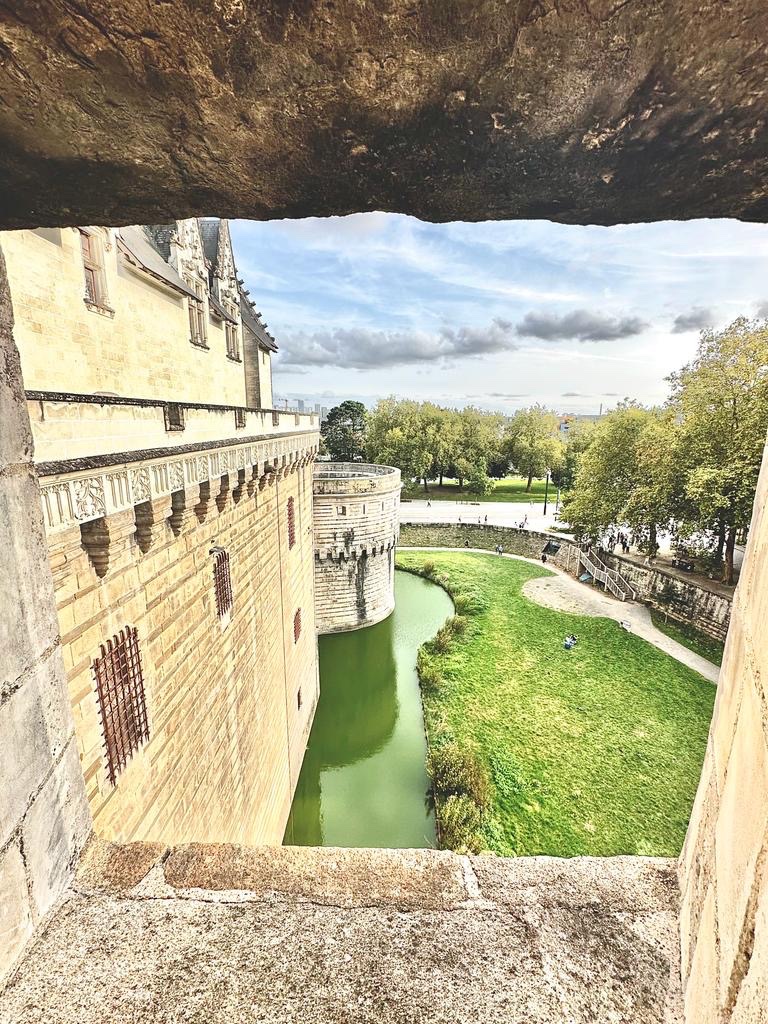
point(363, 781)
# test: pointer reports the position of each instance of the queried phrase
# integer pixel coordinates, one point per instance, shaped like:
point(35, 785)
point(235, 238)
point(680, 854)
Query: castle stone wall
point(724, 863)
point(230, 701)
point(356, 516)
point(44, 817)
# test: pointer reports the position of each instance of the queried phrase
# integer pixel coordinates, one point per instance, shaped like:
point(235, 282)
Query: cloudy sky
point(499, 314)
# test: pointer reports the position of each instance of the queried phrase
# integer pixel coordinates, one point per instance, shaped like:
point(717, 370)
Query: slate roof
point(209, 232)
point(159, 237)
point(252, 321)
point(136, 242)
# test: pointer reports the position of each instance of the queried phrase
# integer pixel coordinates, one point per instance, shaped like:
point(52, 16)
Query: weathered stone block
point(28, 625)
point(55, 830)
point(25, 755)
point(742, 829)
point(16, 925)
point(702, 993)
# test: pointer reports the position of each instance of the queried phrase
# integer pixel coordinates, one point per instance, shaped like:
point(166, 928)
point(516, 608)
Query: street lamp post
point(546, 493)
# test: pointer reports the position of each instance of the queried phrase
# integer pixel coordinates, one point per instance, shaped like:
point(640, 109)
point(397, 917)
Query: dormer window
point(95, 288)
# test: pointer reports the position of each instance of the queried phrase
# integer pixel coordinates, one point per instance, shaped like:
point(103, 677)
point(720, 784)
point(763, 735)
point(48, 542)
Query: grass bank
point(594, 751)
point(690, 637)
point(511, 488)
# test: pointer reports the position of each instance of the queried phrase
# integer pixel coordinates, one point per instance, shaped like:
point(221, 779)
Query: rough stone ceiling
point(579, 111)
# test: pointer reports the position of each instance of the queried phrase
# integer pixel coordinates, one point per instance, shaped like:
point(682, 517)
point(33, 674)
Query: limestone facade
point(173, 697)
point(130, 329)
point(356, 520)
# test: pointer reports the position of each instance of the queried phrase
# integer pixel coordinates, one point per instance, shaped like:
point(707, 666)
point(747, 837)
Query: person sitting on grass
point(570, 641)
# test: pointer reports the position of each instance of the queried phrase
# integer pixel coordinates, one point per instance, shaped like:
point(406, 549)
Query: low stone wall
point(683, 600)
point(528, 543)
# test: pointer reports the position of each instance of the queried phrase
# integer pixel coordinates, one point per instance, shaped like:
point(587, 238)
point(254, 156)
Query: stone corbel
point(152, 522)
point(201, 508)
point(239, 488)
point(107, 540)
point(224, 492)
point(183, 509)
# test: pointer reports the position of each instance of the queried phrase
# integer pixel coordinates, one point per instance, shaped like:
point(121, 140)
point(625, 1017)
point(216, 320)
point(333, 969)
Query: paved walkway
point(564, 593)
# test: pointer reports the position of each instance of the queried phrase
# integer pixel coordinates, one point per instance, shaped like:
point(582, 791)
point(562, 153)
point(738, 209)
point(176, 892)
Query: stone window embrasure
point(232, 335)
point(291, 512)
point(298, 699)
point(297, 626)
point(174, 416)
point(198, 328)
point(122, 703)
point(222, 584)
point(95, 287)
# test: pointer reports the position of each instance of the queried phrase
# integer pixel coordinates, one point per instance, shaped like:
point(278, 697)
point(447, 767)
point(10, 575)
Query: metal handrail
point(610, 578)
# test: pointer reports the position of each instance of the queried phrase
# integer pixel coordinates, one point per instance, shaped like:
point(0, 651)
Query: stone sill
point(300, 933)
point(94, 307)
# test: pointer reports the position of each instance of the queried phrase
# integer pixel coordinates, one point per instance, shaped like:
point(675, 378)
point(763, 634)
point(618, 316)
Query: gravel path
point(564, 593)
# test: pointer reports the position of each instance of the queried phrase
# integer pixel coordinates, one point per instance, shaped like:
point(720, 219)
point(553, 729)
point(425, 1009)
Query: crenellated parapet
point(356, 515)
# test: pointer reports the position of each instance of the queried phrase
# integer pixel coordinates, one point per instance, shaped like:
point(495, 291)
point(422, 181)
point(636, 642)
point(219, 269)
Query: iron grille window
point(222, 583)
point(341, 510)
point(275, 418)
point(174, 416)
point(122, 704)
point(297, 625)
point(239, 419)
point(291, 524)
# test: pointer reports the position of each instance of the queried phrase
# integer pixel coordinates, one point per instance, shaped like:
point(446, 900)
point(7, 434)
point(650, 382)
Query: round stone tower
point(356, 516)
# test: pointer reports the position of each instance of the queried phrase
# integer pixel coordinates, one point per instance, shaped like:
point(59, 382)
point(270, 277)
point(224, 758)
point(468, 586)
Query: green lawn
point(690, 637)
point(593, 751)
point(511, 488)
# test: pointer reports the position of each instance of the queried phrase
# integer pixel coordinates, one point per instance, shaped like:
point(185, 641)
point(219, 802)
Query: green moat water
point(363, 781)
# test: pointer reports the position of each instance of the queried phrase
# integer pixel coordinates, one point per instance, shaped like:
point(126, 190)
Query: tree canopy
point(343, 431)
point(532, 444)
point(690, 467)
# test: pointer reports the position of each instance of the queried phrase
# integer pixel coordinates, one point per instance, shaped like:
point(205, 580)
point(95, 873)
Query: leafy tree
point(721, 402)
point(343, 432)
point(532, 444)
point(398, 436)
point(579, 437)
point(480, 483)
point(616, 480)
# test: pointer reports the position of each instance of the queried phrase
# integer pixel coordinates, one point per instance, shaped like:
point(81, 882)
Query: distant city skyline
point(496, 314)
